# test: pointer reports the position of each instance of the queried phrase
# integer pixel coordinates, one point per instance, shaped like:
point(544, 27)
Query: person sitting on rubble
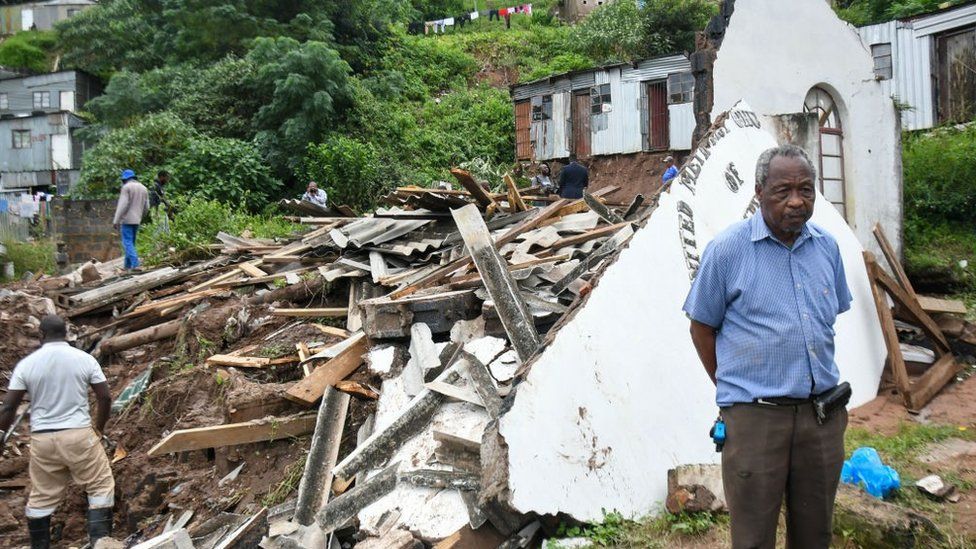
point(762, 309)
point(543, 179)
point(315, 195)
point(670, 173)
point(573, 179)
point(64, 443)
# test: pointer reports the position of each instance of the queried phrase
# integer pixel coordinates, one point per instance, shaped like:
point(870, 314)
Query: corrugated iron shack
point(616, 109)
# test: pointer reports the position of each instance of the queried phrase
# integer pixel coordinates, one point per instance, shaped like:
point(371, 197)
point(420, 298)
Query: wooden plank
point(601, 209)
point(262, 279)
point(238, 361)
point(330, 312)
point(515, 316)
point(893, 262)
point(589, 235)
point(932, 381)
point(935, 305)
point(236, 271)
point(515, 201)
point(233, 434)
point(356, 388)
point(332, 330)
point(481, 196)
point(895, 359)
point(579, 205)
point(141, 337)
point(307, 391)
point(251, 269)
point(907, 301)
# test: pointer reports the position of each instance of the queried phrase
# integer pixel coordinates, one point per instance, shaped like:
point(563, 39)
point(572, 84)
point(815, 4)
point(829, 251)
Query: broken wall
point(773, 53)
point(619, 395)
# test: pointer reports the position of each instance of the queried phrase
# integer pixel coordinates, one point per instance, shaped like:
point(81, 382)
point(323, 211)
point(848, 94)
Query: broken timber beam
point(308, 390)
point(148, 335)
point(601, 209)
point(515, 201)
point(481, 196)
point(382, 444)
point(588, 235)
point(313, 490)
point(338, 511)
point(896, 361)
point(234, 433)
point(330, 312)
point(504, 292)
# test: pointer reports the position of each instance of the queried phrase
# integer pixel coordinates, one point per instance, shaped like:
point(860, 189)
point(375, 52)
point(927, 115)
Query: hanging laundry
point(508, 20)
point(449, 22)
point(474, 15)
point(503, 12)
point(493, 15)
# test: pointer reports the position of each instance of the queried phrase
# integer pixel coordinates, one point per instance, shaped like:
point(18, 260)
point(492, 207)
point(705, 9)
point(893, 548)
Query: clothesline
point(440, 25)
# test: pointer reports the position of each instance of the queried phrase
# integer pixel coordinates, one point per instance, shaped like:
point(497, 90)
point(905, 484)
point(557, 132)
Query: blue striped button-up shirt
point(774, 308)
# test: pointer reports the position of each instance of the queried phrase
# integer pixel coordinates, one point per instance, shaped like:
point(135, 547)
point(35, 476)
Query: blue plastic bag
point(865, 468)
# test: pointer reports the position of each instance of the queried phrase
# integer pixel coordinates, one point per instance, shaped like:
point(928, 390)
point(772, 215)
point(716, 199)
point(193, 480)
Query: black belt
point(50, 430)
point(783, 401)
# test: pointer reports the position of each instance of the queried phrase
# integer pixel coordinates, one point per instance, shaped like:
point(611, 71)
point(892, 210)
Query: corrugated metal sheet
point(620, 132)
point(954, 18)
point(681, 120)
point(910, 81)
point(550, 138)
point(655, 69)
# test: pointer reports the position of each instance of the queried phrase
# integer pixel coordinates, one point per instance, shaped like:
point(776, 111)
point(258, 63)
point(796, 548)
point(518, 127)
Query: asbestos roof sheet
point(374, 230)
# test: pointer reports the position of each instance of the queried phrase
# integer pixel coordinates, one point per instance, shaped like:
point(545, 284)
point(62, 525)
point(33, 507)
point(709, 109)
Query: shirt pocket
point(824, 299)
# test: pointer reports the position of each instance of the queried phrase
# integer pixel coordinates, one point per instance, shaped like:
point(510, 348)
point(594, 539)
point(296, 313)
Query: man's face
point(787, 199)
point(164, 178)
point(544, 169)
point(313, 188)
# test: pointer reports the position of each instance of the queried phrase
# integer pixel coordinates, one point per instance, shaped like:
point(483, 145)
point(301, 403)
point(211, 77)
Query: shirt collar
point(759, 230)
point(56, 343)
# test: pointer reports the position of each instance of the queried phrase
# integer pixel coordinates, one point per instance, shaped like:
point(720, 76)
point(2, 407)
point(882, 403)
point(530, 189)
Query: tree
point(224, 169)
point(112, 35)
point(28, 50)
point(304, 88)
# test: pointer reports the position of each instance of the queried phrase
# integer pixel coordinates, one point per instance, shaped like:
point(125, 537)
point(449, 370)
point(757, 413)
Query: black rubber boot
point(99, 524)
point(40, 532)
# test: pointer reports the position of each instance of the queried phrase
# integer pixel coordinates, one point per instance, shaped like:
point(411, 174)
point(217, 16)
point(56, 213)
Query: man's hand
point(703, 336)
point(115, 226)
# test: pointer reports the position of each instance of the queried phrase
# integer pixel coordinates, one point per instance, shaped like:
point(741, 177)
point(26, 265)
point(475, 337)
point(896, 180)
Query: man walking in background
point(573, 179)
point(132, 206)
point(160, 208)
point(64, 442)
point(762, 309)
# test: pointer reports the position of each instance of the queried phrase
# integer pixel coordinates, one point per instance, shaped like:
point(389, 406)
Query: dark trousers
point(772, 451)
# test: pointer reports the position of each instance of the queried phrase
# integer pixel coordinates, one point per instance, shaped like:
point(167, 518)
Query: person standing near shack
point(573, 179)
point(669, 173)
point(132, 207)
point(762, 309)
point(543, 179)
point(315, 195)
point(64, 443)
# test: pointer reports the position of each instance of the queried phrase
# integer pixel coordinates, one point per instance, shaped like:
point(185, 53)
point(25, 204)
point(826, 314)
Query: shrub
point(195, 226)
point(28, 50)
point(224, 169)
point(348, 169)
point(36, 256)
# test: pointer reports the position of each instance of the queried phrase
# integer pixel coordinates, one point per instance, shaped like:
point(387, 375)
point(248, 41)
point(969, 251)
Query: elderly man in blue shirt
point(762, 310)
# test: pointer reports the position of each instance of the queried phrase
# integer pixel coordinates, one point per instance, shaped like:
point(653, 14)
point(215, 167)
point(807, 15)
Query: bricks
point(85, 226)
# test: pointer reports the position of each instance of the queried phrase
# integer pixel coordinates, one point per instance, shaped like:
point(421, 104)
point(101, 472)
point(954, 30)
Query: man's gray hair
point(788, 151)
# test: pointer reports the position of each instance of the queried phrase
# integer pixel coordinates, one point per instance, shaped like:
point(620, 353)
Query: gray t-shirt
point(57, 377)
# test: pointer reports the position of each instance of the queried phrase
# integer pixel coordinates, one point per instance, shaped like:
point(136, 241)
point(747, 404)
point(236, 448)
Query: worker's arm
point(121, 207)
point(103, 405)
point(703, 336)
point(8, 411)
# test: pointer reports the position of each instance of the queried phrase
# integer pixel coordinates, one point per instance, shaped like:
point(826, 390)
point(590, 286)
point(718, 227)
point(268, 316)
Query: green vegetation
point(36, 256)
point(293, 476)
point(939, 199)
point(28, 50)
point(867, 12)
point(195, 226)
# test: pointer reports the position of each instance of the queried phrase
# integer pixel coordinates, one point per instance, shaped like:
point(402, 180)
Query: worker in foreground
point(129, 212)
point(762, 309)
point(64, 442)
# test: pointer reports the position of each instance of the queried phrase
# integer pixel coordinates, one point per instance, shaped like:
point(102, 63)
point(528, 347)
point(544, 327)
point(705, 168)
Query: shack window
point(4, 102)
point(681, 87)
point(600, 99)
point(882, 60)
point(42, 100)
point(542, 108)
point(22, 139)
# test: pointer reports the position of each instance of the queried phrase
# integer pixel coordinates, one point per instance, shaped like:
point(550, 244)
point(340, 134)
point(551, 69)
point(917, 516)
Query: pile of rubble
point(390, 339)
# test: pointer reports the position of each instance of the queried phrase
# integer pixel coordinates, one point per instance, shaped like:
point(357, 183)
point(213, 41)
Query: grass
point(36, 256)
point(293, 475)
point(901, 451)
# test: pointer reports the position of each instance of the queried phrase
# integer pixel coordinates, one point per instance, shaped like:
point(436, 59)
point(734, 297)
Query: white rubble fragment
point(504, 367)
point(464, 331)
point(379, 360)
point(486, 348)
point(423, 357)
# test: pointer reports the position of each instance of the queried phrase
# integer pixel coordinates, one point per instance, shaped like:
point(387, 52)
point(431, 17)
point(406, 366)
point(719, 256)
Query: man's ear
point(758, 191)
